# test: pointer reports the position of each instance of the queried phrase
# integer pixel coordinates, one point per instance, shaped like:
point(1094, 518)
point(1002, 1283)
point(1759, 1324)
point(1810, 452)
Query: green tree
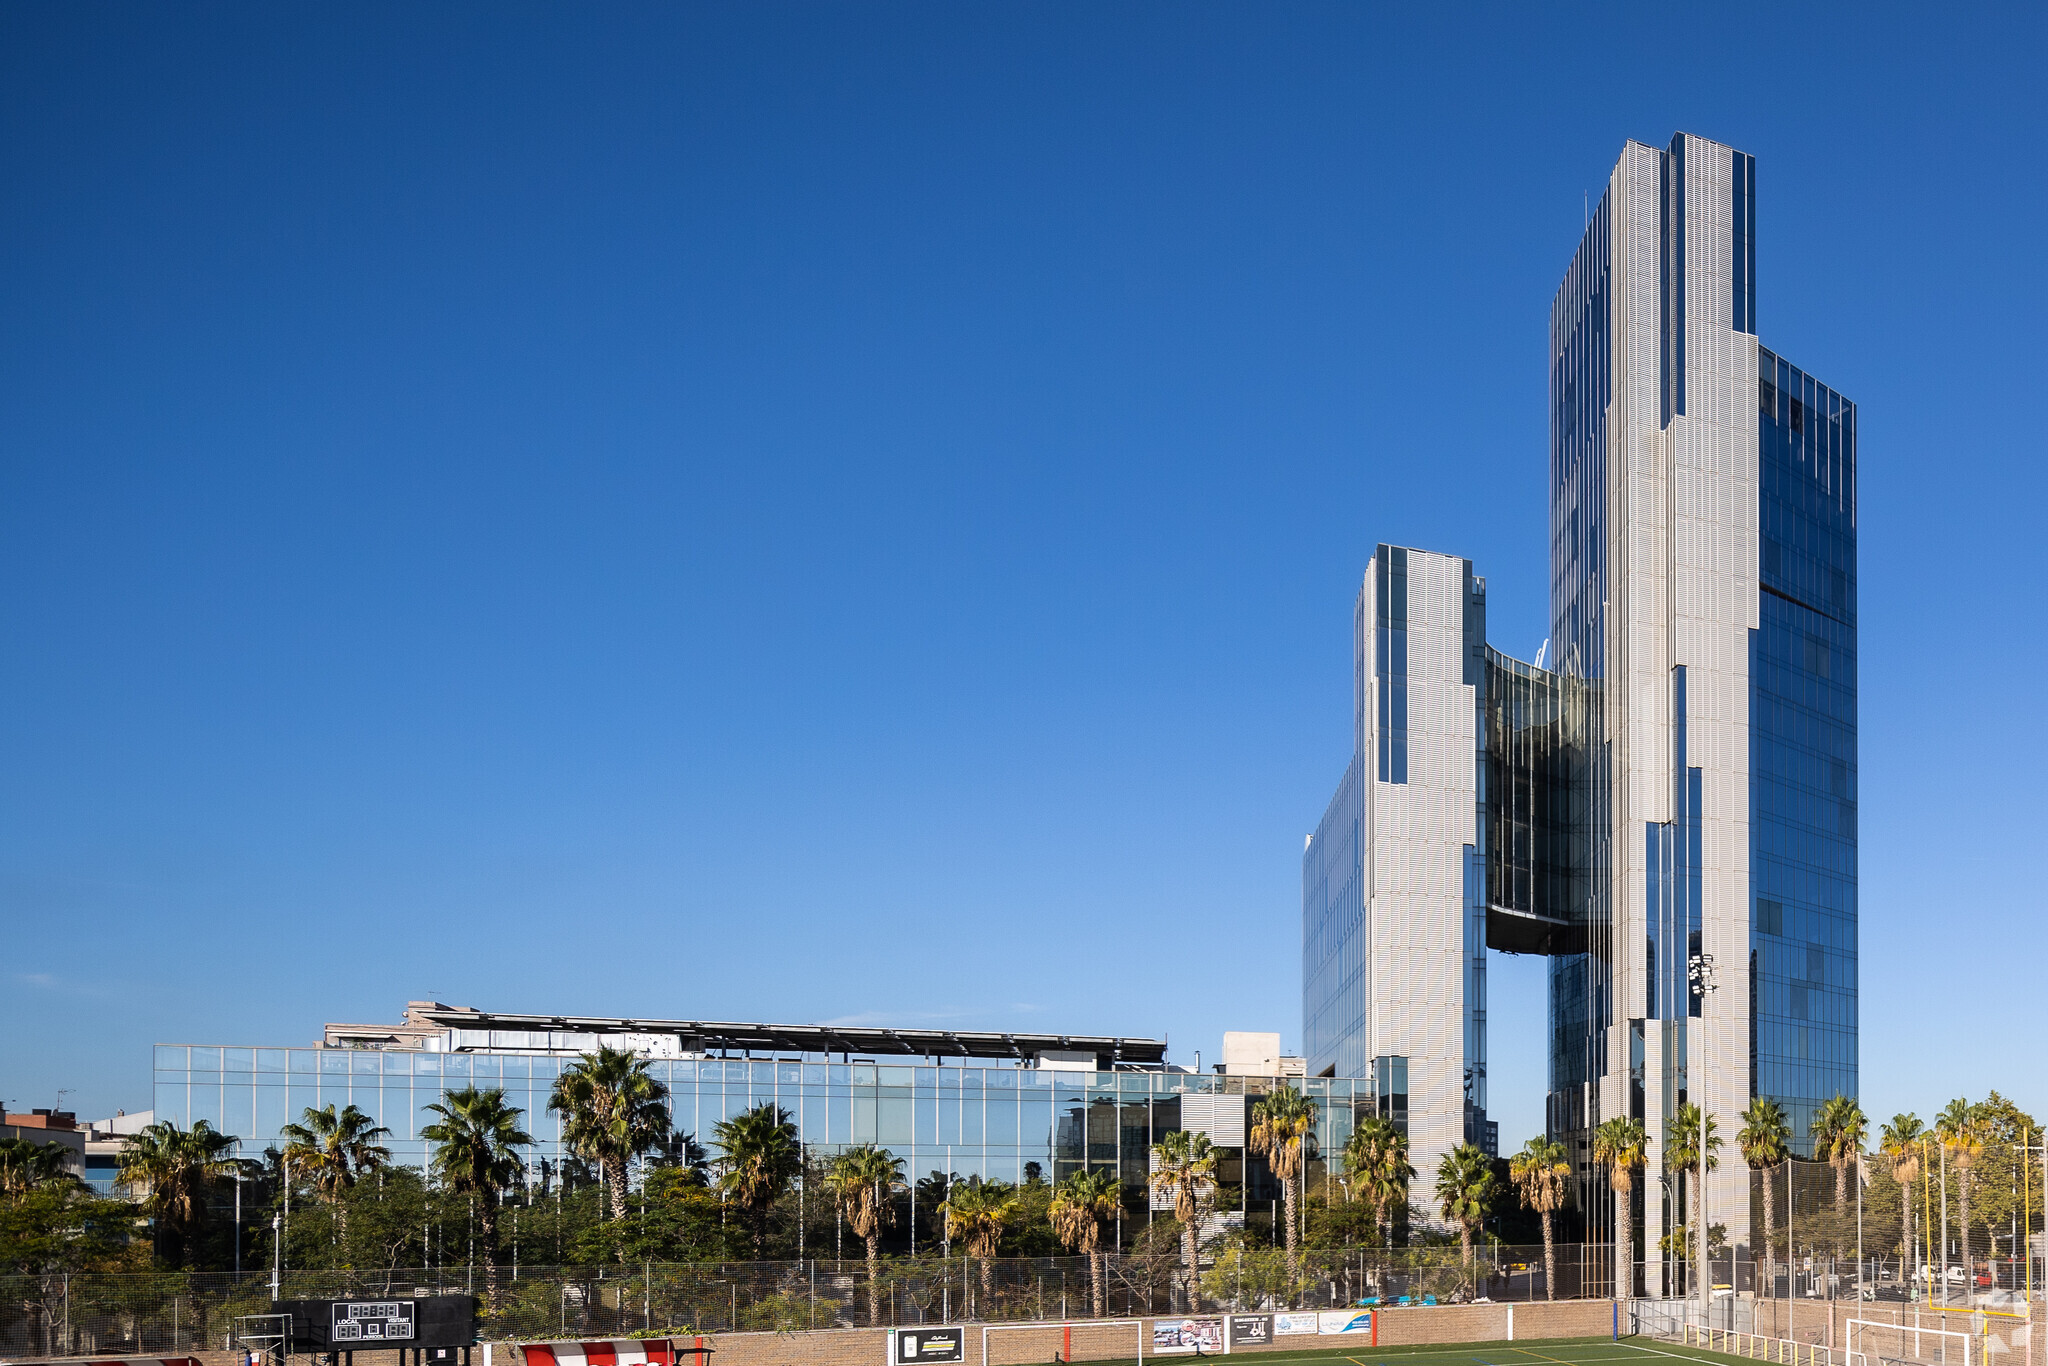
point(333, 1150)
point(759, 1157)
point(475, 1142)
point(612, 1111)
point(1465, 1188)
point(1081, 1205)
point(173, 1170)
point(1766, 1141)
point(1184, 1169)
point(1960, 1130)
point(977, 1212)
point(1542, 1173)
point(1682, 1156)
point(1838, 1129)
point(864, 1181)
point(26, 1164)
point(1620, 1145)
point(1283, 1132)
point(1377, 1169)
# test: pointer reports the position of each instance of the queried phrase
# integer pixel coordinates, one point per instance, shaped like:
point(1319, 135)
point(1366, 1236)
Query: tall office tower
point(1393, 912)
point(1703, 590)
point(1676, 790)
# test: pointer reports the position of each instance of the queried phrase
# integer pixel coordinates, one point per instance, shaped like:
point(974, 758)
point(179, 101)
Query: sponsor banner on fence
point(1344, 1321)
point(1186, 1336)
point(1248, 1330)
point(912, 1346)
point(1286, 1325)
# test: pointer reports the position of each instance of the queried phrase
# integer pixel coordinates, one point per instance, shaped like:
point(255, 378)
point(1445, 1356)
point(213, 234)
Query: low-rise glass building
point(1002, 1106)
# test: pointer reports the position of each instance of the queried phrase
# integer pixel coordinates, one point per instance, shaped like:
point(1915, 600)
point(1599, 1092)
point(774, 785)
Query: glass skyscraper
point(1672, 786)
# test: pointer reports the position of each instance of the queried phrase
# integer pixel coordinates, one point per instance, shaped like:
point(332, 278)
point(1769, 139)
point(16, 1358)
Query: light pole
point(1701, 971)
point(276, 1253)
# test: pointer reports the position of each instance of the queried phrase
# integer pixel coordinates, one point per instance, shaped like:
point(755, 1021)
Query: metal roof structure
point(712, 1036)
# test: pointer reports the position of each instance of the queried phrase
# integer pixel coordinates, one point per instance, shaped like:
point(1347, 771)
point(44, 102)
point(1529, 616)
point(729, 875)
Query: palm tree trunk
point(1698, 1251)
point(1963, 1234)
point(1905, 1190)
point(1465, 1242)
point(1287, 1207)
point(615, 1183)
point(1188, 1250)
point(487, 1234)
point(1625, 1268)
point(875, 1278)
point(1841, 1192)
point(1549, 1261)
point(1097, 1264)
point(1771, 1225)
point(988, 1288)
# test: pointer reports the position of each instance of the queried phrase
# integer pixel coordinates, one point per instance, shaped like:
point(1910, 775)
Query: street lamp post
point(1701, 970)
point(276, 1254)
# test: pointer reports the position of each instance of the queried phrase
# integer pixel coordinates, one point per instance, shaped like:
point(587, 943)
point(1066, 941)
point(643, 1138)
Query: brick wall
point(1034, 1344)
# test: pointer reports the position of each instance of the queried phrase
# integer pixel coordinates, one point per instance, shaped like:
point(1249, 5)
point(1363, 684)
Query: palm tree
point(1377, 1167)
point(1960, 1130)
point(977, 1212)
point(333, 1149)
point(760, 1157)
point(174, 1169)
point(1464, 1188)
point(1766, 1141)
point(612, 1112)
point(1682, 1155)
point(25, 1164)
point(1619, 1145)
point(864, 1181)
point(1283, 1130)
point(1838, 1131)
point(1902, 1142)
point(1542, 1173)
point(1080, 1206)
point(474, 1140)
point(1184, 1167)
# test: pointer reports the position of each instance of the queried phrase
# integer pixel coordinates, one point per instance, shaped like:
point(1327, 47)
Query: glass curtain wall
point(997, 1122)
point(1803, 748)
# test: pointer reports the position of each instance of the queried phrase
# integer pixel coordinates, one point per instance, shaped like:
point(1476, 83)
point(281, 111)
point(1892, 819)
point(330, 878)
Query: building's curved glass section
point(1581, 388)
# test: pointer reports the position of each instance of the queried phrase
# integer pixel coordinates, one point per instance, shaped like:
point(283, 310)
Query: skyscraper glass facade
point(1581, 384)
point(1803, 748)
point(1333, 981)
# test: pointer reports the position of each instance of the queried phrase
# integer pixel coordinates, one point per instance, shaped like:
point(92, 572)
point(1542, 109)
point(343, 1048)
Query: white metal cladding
point(1417, 833)
point(1221, 1117)
point(1682, 592)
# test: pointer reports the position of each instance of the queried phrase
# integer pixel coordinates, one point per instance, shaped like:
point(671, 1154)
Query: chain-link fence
point(167, 1313)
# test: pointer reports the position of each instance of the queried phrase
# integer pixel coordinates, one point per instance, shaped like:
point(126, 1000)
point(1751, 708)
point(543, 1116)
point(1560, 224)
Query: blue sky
point(851, 512)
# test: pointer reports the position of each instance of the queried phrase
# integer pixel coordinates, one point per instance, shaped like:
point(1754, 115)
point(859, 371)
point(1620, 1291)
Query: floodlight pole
point(1701, 970)
point(276, 1254)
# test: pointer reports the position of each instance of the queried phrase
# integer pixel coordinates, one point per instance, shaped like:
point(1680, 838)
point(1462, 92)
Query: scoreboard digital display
point(371, 1321)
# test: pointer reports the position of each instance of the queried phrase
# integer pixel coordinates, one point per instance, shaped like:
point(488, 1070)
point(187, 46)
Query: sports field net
point(1756, 1347)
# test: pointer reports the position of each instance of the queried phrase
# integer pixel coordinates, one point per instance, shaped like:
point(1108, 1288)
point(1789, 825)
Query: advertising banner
point(1288, 1325)
point(1250, 1330)
point(1187, 1336)
point(1344, 1321)
point(911, 1346)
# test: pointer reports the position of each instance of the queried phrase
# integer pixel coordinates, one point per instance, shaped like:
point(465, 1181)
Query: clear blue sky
point(793, 513)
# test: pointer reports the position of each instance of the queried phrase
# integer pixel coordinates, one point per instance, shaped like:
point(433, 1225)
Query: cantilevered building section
point(1677, 790)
